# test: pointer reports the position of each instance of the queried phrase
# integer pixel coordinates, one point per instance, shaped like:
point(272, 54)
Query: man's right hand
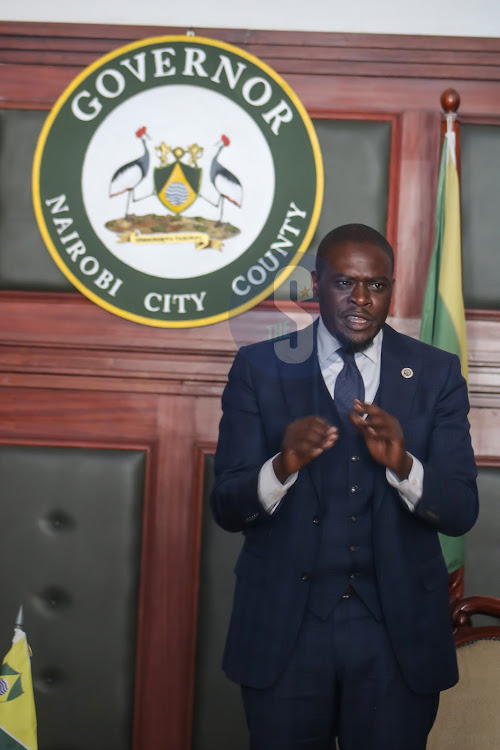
point(303, 441)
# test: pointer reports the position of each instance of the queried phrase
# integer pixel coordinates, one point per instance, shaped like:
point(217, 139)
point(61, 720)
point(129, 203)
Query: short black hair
point(360, 233)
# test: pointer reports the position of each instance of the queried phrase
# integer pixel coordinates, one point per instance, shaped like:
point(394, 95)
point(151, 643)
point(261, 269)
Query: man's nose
point(360, 294)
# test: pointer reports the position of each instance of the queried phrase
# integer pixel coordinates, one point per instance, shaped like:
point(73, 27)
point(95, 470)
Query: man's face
point(354, 288)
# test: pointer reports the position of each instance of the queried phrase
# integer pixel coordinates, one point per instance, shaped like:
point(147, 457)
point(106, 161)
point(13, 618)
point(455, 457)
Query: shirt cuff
point(411, 489)
point(269, 488)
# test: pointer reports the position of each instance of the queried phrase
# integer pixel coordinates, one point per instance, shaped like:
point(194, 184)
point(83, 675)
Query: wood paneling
point(73, 374)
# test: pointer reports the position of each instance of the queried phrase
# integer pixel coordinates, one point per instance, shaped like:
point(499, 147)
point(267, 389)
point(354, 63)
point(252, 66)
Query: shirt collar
point(328, 346)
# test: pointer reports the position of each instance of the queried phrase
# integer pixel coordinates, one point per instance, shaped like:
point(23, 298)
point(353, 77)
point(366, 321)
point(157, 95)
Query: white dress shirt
point(270, 489)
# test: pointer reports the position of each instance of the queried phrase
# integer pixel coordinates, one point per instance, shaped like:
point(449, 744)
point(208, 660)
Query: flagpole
point(19, 618)
point(450, 102)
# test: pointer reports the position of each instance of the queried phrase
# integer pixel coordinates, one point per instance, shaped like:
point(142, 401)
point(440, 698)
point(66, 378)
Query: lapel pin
point(407, 372)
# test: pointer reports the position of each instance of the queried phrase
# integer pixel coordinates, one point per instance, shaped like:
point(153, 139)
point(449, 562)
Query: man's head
point(353, 282)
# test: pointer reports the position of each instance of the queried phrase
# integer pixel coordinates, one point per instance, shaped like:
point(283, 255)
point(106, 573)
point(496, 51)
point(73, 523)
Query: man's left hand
point(383, 437)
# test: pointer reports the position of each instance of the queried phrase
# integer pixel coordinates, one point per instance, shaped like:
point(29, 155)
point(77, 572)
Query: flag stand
point(450, 102)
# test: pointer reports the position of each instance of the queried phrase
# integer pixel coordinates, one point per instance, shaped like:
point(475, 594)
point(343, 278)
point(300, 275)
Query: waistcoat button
point(354, 488)
point(354, 458)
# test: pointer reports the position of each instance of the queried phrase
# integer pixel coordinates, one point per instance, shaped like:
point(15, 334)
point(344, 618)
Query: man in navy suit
point(340, 459)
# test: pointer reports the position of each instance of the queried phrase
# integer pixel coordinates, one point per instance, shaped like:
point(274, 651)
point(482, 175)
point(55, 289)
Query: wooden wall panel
point(73, 374)
point(162, 426)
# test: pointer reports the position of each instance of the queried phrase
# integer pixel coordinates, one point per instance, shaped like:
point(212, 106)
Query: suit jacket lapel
point(399, 374)
point(299, 370)
point(300, 381)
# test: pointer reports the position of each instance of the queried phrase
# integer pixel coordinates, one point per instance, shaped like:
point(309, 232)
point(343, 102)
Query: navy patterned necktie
point(348, 386)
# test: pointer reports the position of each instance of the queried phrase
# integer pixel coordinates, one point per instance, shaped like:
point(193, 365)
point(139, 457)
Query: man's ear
point(314, 279)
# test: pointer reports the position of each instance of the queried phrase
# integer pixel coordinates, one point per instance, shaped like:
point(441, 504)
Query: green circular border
point(277, 281)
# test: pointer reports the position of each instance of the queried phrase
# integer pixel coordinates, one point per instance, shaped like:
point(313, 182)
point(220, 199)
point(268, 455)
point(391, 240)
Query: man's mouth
point(358, 322)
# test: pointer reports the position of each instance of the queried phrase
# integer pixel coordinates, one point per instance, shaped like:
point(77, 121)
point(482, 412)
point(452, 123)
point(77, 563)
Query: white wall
point(442, 17)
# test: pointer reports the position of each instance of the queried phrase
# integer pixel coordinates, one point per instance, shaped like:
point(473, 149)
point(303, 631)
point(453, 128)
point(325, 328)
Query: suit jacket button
point(354, 519)
point(354, 458)
point(305, 577)
point(354, 488)
point(316, 520)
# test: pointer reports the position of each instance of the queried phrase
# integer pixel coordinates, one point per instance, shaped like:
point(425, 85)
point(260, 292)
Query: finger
point(364, 427)
point(314, 423)
point(362, 407)
point(358, 422)
point(374, 424)
point(379, 421)
point(359, 406)
point(316, 452)
point(330, 441)
point(326, 438)
point(324, 432)
point(319, 440)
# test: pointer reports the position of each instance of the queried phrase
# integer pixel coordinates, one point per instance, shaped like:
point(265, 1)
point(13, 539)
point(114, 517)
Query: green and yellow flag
point(443, 313)
point(17, 705)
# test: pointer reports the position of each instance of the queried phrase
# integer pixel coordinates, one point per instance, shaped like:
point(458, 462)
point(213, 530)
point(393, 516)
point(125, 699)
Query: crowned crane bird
point(131, 174)
point(225, 182)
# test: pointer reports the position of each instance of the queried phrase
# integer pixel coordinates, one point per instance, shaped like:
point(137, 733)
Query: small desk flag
point(17, 705)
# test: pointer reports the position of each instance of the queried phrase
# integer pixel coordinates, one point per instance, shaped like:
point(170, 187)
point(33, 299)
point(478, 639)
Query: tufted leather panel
point(356, 162)
point(25, 262)
point(70, 541)
point(479, 186)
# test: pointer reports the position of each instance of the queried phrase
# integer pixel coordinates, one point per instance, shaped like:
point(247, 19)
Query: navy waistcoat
point(345, 556)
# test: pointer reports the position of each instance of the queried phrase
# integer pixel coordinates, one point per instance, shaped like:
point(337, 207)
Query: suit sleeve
point(449, 500)
point(241, 452)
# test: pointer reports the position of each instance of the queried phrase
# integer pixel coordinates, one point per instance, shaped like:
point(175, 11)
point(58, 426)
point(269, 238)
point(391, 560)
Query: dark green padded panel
point(219, 721)
point(356, 162)
point(480, 188)
point(70, 539)
point(25, 262)
point(482, 543)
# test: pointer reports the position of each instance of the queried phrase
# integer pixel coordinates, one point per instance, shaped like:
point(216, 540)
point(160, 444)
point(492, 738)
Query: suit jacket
point(265, 392)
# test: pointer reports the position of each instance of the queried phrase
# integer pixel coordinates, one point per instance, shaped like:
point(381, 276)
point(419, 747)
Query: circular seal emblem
point(177, 181)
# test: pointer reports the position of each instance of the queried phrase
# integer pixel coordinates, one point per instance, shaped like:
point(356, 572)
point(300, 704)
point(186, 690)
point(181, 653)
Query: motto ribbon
point(201, 240)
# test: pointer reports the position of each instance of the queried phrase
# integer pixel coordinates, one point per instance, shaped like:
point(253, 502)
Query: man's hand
point(303, 441)
point(383, 437)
